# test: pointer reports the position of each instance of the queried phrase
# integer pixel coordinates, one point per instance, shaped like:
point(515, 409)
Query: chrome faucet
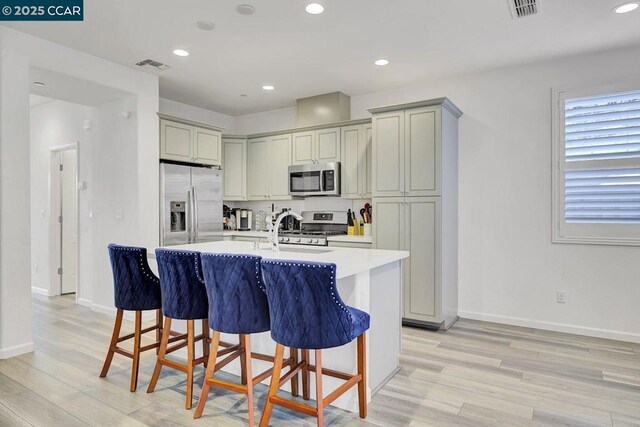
point(273, 228)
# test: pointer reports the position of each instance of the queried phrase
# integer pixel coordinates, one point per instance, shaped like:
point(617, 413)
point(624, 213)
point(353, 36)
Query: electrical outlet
point(561, 297)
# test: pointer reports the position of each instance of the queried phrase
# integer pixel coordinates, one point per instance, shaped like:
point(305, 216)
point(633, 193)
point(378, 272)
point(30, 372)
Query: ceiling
point(304, 55)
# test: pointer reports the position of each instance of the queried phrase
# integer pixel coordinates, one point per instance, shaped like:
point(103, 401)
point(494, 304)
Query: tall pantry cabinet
point(415, 203)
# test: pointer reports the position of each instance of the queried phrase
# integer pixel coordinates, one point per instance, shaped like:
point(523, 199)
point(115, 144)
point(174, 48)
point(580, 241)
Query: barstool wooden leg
point(190, 358)
point(136, 351)
point(293, 354)
point(306, 376)
point(319, 402)
point(206, 340)
point(247, 362)
point(243, 362)
point(273, 387)
point(362, 370)
point(211, 367)
point(159, 330)
point(114, 342)
point(163, 350)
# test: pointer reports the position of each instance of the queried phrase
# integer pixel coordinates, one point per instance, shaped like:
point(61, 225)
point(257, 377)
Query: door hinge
point(60, 219)
point(60, 271)
point(61, 167)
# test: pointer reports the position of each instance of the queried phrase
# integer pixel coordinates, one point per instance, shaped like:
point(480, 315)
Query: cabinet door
point(207, 147)
point(388, 223)
point(366, 163)
point(303, 148)
point(422, 151)
point(328, 145)
point(279, 161)
point(233, 166)
point(351, 173)
point(258, 169)
point(388, 154)
point(176, 141)
point(422, 272)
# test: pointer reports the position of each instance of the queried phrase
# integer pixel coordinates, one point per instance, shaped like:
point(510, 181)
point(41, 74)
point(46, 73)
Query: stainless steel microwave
point(318, 179)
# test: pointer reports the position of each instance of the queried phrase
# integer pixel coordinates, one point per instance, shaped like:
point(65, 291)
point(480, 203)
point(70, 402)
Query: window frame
point(585, 233)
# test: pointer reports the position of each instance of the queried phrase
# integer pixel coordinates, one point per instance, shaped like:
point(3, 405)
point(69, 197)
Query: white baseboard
point(85, 302)
point(128, 315)
point(39, 291)
point(17, 350)
point(552, 326)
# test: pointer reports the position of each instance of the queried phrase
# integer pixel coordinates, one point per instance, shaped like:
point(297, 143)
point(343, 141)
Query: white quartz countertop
point(345, 238)
point(349, 261)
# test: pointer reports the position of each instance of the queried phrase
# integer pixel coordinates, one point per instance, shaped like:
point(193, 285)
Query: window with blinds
point(598, 150)
point(600, 128)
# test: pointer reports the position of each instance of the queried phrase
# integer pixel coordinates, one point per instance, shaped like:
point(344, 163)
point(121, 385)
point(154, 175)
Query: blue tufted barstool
point(136, 288)
point(183, 297)
point(237, 305)
point(307, 313)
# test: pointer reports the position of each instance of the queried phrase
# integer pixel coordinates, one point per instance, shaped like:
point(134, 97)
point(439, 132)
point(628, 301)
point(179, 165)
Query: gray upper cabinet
point(356, 161)
point(388, 154)
point(186, 142)
point(234, 161)
point(268, 161)
point(406, 152)
point(316, 146)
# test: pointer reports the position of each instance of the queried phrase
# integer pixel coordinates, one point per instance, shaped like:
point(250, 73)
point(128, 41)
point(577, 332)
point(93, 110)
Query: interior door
point(207, 194)
point(175, 185)
point(69, 228)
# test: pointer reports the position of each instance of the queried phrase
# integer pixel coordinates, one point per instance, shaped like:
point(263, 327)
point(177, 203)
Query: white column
point(15, 245)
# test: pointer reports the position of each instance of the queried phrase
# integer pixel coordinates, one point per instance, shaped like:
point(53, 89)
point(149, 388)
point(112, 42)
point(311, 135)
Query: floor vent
point(523, 8)
point(153, 64)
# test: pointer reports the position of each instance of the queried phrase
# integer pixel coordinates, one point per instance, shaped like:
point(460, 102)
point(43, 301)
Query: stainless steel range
point(315, 228)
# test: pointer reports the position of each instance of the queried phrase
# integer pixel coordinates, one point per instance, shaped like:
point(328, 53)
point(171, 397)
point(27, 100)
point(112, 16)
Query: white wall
point(509, 270)
point(197, 114)
point(268, 121)
point(55, 124)
point(138, 176)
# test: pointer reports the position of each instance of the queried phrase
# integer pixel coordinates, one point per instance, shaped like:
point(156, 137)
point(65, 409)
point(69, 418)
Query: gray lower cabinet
point(415, 224)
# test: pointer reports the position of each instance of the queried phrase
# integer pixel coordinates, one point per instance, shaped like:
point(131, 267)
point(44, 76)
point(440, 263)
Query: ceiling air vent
point(153, 64)
point(523, 8)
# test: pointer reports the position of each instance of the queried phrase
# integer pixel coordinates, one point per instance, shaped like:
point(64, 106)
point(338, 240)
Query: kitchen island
point(368, 279)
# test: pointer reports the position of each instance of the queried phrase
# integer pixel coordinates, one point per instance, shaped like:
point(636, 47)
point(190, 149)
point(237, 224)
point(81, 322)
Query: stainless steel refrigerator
point(191, 204)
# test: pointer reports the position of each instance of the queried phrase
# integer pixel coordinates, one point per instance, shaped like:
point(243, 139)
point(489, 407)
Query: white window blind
point(598, 185)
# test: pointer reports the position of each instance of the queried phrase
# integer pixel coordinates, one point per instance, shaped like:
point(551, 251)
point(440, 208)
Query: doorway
point(64, 220)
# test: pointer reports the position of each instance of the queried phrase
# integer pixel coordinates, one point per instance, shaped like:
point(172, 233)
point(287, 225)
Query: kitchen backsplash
point(300, 205)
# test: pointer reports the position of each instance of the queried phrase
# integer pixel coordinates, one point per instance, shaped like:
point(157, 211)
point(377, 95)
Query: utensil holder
point(367, 229)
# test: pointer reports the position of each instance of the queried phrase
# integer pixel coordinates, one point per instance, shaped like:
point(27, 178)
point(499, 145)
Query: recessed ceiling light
point(268, 87)
point(205, 25)
point(245, 9)
point(39, 83)
point(381, 62)
point(314, 8)
point(626, 7)
point(180, 52)
point(243, 95)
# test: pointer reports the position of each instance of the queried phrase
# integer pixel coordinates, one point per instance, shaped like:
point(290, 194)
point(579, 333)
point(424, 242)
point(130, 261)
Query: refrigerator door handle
point(194, 197)
point(189, 216)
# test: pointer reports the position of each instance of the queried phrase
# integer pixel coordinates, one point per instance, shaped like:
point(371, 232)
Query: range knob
point(314, 241)
point(280, 239)
point(308, 240)
point(285, 239)
point(297, 240)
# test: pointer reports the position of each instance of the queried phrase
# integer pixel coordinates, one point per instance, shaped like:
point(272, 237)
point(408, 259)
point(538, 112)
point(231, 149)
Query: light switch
point(119, 215)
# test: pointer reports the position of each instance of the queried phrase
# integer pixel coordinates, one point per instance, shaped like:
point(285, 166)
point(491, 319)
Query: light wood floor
point(475, 374)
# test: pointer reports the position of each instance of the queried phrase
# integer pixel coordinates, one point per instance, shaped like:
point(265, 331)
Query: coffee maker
point(244, 219)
